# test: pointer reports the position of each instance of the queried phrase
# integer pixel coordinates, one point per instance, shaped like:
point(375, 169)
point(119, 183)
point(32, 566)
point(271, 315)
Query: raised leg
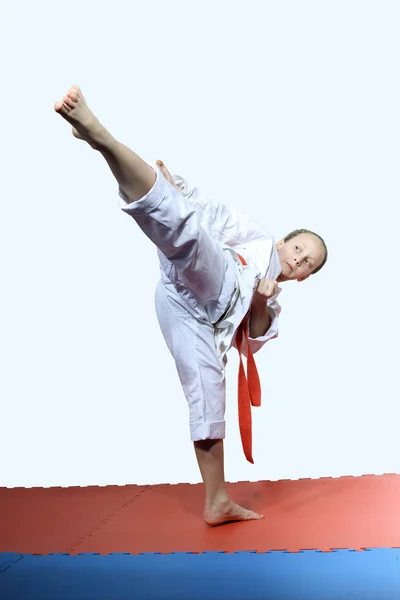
point(157, 207)
point(134, 176)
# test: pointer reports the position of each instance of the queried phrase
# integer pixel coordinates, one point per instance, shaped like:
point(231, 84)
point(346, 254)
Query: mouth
point(290, 267)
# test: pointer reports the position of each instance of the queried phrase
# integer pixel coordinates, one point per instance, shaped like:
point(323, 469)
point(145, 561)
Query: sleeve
point(257, 343)
point(224, 224)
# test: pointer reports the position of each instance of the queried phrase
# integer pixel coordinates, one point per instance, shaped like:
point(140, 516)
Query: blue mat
point(342, 574)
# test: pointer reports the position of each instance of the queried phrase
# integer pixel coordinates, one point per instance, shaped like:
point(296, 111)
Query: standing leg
point(219, 507)
point(202, 376)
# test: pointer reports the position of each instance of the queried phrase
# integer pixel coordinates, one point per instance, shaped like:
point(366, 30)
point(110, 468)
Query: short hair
point(297, 232)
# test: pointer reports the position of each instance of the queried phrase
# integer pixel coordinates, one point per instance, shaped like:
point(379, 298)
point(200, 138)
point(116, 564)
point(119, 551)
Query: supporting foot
point(226, 511)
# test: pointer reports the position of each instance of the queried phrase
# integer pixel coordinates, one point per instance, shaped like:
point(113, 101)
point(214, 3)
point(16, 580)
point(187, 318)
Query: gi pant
point(198, 281)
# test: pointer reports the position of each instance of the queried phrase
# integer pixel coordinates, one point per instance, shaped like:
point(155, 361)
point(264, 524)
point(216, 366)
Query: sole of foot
point(85, 126)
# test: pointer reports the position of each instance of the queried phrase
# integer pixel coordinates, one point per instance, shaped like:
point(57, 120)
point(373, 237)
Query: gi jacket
point(238, 234)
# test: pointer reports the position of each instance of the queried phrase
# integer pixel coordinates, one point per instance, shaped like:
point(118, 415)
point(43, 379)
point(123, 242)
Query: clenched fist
point(167, 174)
point(266, 289)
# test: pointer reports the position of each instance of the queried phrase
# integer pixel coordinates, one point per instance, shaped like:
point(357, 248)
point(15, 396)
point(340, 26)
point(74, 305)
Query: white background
point(288, 111)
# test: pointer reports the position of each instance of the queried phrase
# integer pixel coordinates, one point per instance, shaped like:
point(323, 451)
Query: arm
point(262, 314)
point(260, 320)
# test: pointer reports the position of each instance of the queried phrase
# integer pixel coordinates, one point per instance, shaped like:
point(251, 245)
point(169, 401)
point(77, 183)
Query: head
point(301, 253)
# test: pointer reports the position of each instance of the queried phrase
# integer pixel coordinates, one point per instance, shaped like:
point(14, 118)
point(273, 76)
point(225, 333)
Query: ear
point(303, 278)
point(279, 244)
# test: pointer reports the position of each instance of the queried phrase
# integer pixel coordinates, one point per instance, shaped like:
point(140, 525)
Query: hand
point(266, 289)
point(167, 174)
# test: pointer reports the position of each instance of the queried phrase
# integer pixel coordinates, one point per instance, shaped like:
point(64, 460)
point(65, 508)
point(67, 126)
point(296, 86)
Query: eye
point(297, 248)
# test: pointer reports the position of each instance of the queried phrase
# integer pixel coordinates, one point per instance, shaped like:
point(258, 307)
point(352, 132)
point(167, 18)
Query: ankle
point(218, 499)
point(105, 144)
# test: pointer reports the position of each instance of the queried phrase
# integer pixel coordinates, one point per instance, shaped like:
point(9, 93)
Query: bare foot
point(85, 125)
point(228, 511)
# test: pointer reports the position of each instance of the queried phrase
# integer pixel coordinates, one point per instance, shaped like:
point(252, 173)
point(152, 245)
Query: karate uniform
point(205, 291)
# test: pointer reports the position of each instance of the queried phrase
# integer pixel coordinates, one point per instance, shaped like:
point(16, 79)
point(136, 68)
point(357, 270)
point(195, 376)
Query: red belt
point(249, 389)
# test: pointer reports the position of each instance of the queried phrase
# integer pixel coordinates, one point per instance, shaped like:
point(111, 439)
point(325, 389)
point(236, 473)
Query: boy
point(219, 284)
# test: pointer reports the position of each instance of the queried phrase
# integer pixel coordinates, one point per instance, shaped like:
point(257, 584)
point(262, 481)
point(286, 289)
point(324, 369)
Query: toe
point(256, 516)
point(68, 101)
point(73, 95)
point(61, 107)
point(77, 91)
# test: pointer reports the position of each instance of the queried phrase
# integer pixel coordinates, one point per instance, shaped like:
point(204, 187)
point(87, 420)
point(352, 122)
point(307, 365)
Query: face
point(299, 256)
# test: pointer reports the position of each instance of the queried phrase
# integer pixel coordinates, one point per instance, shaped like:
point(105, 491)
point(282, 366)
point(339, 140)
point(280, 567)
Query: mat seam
point(9, 563)
point(325, 477)
point(225, 552)
point(72, 547)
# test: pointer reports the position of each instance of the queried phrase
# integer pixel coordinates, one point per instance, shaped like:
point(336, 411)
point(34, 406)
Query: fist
point(266, 289)
point(167, 174)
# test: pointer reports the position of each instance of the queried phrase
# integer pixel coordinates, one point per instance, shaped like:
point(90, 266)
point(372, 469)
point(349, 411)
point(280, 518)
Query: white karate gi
point(204, 291)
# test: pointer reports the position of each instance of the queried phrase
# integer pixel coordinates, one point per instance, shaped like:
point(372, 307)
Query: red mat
point(323, 514)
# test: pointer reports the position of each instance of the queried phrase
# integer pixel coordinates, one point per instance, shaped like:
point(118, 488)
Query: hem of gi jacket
point(150, 201)
point(207, 431)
